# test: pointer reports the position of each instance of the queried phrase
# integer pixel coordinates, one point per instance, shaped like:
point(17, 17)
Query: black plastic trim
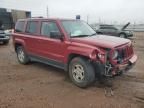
point(48, 61)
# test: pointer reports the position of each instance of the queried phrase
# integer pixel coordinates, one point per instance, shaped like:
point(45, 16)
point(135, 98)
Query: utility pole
point(47, 11)
point(134, 25)
point(99, 20)
point(87, 18)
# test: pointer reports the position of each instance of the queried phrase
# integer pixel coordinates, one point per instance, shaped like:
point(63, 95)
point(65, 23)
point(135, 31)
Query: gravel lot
point(41, 86)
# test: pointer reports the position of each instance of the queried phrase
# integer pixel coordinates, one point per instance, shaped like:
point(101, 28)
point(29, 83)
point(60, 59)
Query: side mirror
point(56, 35)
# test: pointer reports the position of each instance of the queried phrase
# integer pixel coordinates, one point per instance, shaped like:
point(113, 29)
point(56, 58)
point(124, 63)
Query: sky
point(106, 11)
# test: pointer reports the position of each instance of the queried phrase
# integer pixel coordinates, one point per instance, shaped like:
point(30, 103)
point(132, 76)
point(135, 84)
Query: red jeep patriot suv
point(74, 46)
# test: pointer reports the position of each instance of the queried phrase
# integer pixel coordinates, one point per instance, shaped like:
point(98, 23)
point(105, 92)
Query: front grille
point(2, 37)
point(125, 52)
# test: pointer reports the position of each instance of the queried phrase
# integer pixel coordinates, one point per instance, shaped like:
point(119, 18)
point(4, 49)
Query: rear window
point(20, 26)
point(32, 27)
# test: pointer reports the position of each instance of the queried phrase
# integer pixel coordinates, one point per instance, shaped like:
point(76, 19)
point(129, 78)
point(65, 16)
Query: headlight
point(99, 55)
point(128, 32)
point(93, 55)
point(115, 54)
point(7, 36)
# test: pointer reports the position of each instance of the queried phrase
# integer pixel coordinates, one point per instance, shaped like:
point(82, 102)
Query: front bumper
point(129, 35)
point(125, 66)
point(4, 37)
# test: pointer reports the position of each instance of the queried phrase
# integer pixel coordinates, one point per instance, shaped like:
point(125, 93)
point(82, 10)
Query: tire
point(122, 35)
point(87, 75)
point(102, 79)
point(21, 55)
point(99, 33)
point(5, 42)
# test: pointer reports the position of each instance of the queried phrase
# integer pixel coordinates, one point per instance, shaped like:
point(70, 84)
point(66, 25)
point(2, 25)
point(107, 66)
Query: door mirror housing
point(56, 35)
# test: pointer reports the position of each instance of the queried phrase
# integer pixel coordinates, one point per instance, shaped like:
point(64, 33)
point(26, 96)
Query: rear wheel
point(21, 55)
point(81, 72)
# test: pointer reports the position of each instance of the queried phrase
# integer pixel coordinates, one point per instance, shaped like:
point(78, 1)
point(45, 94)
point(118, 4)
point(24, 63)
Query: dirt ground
point(41, 86)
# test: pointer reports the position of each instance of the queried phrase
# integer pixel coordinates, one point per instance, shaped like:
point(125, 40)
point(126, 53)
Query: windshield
point(78, 28)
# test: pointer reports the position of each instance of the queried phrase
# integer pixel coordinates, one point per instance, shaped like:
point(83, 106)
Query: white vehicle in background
point(4, 36)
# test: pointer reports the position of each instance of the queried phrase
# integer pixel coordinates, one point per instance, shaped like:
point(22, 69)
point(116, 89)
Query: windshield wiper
point(79, 36)
point(93, 34)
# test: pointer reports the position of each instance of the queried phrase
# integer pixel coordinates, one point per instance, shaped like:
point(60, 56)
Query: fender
point(81, 49)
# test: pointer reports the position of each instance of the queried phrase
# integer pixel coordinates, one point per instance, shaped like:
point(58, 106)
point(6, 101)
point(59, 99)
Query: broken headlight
point(115, 54)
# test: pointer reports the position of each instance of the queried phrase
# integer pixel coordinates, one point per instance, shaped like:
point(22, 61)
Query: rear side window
point(20, 26)
point(112, 28)
point(107, 27)
point(32, 27)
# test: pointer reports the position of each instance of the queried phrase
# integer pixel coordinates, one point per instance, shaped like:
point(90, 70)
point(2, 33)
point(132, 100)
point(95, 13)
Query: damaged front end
point(117, 60)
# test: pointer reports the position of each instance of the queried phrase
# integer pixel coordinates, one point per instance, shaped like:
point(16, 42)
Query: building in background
point(8, 17)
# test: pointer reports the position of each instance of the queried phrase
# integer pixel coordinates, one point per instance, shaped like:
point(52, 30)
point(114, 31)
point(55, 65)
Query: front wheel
point(81, 72)
point(122, 35)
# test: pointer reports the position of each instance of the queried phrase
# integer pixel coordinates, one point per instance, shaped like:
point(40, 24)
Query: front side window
point(77, 28)
point(32, 27)
point(48, 27)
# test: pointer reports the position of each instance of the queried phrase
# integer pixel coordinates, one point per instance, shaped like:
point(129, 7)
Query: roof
point(105, 25)
point(41, 18)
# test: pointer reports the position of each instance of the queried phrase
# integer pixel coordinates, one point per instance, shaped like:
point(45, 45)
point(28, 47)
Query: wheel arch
point(19, 42)
point(72, 56)
point(16, 45)
point(122, 33)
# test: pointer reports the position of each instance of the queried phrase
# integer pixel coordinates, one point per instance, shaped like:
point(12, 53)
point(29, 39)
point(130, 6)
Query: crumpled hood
point(102, 41)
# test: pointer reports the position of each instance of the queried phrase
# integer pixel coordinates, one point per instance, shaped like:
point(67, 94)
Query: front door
point(51, 48)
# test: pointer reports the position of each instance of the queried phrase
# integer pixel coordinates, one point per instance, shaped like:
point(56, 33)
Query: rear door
point(31, 37)
point(104, 30)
